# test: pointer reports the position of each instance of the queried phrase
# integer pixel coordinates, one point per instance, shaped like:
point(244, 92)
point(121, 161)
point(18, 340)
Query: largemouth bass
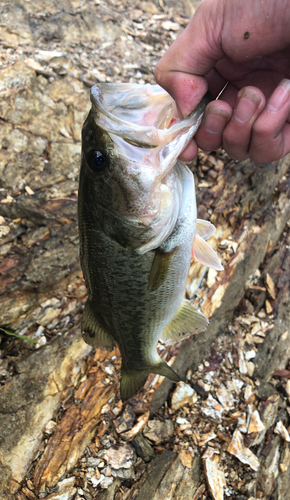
point(138, 227)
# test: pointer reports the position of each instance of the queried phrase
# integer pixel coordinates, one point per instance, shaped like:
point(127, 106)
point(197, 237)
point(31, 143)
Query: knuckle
point(262, 129)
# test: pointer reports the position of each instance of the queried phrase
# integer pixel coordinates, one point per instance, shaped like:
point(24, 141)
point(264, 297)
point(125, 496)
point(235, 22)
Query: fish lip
point(130, 131)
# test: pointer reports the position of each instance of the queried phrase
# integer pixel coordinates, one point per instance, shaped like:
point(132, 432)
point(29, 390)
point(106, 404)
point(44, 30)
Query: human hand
point(247, 44)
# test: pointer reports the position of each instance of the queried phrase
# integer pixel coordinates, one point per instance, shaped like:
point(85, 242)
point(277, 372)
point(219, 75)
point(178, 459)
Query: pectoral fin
point(93, 333)
point(205, 254)
point(159, 269)
point(204, 228)
point(186, 322)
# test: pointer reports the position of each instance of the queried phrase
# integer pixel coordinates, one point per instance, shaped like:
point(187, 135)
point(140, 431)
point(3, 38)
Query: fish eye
point(97, 161)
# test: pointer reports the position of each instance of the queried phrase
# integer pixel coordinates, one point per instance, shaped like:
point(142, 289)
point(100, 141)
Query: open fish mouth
point(144, 115)
point(148, 137)
point(134, 112)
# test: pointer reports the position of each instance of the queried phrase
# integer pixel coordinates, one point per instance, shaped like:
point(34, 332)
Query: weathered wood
point(275, 351)
point(156, 474)
point(30, 400)
point(77, 428)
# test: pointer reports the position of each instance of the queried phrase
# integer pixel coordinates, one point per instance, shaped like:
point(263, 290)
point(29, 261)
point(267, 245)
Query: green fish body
point(137, 224)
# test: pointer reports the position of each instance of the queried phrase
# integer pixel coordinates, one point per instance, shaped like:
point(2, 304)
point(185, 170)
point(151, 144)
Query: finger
point(209, 135)
point(271, 132)
point(217, 114)
point(195, 52)
point(190, 152)
point(237, 134)
point(187, 90)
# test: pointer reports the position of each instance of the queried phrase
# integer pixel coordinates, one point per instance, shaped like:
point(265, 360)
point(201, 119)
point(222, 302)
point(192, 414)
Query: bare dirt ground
point(64, 433)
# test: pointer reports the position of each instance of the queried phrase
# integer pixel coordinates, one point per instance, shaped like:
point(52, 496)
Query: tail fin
point(133, 380)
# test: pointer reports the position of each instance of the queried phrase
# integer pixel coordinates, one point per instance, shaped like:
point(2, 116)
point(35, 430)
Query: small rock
point(181, 421)
point(109, 368)
point(268, 306)
point(215, 476)
point(200, 390)
point(50, 314)
point(93, 462)
point(170, 25)
point(203, 384)
point(225, 398)
point(106, 482)
point(281, 430)
point(235, 385)
point(122, 457)
point(66, 490)
point(126, 420)
point(107, 471)
point(211, 277)
point(4, 230)
point(283, 467)
point(50, 426)
point(209, 452)
point(250, 368)
point(159, 432)
point(182, 395)
point(143, 447)
point(149, 7)
point(124, 473)
point(255, 425)
point(237, 448)
point(242, 364)
point(95, 477)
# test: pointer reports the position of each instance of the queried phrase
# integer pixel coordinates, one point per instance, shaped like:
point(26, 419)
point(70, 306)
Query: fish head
point(131, 141)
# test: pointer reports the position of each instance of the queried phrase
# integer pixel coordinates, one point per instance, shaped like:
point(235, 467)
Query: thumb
point(182, 69)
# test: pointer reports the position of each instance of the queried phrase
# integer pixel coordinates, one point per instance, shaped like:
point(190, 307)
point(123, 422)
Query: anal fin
point(93, 333)
point(186, 322)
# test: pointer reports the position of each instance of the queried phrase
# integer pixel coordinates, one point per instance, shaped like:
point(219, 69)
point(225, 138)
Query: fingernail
point(215, 119)
point(279, 96)
point(247, 105)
